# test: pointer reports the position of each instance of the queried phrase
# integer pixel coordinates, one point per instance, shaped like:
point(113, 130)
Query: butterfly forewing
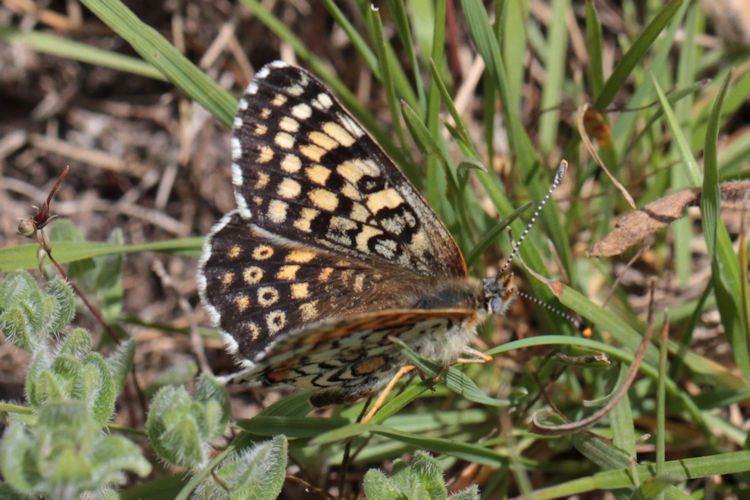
point(306, 170)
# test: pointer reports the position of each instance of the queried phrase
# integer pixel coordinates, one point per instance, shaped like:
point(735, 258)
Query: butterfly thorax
point(450, 294)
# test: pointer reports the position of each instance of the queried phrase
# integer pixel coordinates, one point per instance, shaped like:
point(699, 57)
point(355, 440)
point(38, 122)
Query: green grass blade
point(493, 234)
point(404, 32)
point(463, 451)
point(711, 194)
point(342, 433)
point(436, 185)
point(453, 379)
point(354, 37)
point(408, 395)
point(685, 469)
point(595, 44)
point(63, 47)
point(520, 145)
point(646, 368)
point(692, 172)
point(511, 28)
point(661, 413)
point(663, 51)
point(427, 144)
point(637, 51)
point(603, 453)
point(557, 47)
point(489, 48)
point(155, 49)
point(386, 70)
point(292, 427)
point(400, 81)
point(25, 256)
point(621, 423)
point(461, 127)
point(729, 281)
point(727, 278)
point(683, 176)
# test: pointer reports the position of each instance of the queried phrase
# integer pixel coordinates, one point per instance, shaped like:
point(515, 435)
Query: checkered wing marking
point(259, 286)
point(345, 359)
point(304, 169)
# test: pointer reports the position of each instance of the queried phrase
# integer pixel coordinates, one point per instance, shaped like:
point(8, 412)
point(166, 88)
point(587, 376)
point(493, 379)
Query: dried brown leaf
point(633, 227)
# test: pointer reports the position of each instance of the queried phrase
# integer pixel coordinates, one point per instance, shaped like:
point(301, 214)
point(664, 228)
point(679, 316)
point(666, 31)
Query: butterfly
point(331, 252)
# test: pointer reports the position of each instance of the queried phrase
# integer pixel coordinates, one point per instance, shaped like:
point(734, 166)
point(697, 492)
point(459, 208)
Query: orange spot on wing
point(277, 376)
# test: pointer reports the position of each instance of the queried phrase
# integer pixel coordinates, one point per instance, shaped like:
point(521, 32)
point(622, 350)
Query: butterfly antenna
point(578, 324)
point(556, 182)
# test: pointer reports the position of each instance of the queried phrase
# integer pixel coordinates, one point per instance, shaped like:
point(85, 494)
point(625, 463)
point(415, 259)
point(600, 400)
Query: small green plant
point(59, 448)
point(181, 430)
point(255, 473)
point(420, 479)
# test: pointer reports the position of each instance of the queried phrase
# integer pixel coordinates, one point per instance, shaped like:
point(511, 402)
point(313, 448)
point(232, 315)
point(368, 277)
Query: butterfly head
point(499, 293)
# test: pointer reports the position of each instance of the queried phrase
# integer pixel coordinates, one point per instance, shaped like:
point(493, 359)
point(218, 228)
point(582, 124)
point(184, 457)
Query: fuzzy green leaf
point(46, 387)
point(416, 482)
point(66, 414)
point(77, 344)
point(113, 454)
point(218, 407)
point(257, 473)
point(66, 369)
point(17, 328)
point(16, 285)
point(427, 469)
point(379, 487)
point(175, 427)
point(120, 362)
point(46, 318)
point(64, 454)
point(470, 493)
point(97, 387)
point(71, 469)
point(183, 443)
point(16, 459)
point(28, 315)
point(64, 299)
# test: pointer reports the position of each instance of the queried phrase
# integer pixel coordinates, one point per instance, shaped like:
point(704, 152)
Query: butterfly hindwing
point(350, 357)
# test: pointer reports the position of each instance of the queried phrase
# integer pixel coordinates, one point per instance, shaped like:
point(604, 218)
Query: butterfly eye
point(496, 305)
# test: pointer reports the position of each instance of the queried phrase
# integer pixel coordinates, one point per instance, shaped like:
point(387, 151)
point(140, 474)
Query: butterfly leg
point(381, 399)
point(478, 358)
